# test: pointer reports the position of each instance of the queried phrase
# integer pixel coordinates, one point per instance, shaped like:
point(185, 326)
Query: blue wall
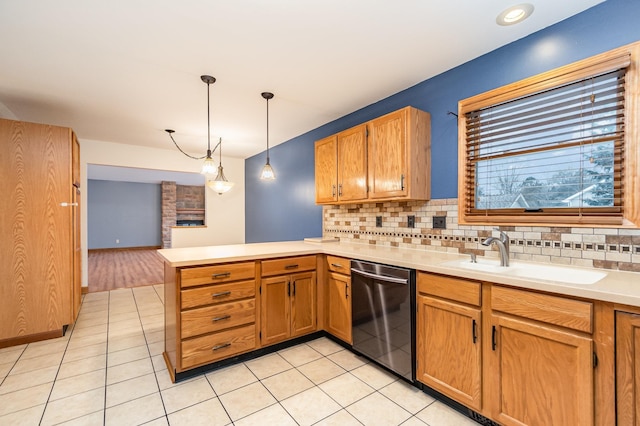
point(125, 211)
point(285, 210)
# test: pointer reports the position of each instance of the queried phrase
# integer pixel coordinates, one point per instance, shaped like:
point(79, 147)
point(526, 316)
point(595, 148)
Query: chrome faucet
point(503, 246)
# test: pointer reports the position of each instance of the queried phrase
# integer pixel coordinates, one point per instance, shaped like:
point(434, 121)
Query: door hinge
point(595, 360)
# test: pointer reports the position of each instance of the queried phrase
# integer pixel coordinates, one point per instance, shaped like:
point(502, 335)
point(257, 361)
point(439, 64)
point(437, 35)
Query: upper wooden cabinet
point(40, 249)
point(341, 167)
point(387, 158)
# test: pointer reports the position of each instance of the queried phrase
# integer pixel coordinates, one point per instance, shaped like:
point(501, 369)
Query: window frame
point(631, 181)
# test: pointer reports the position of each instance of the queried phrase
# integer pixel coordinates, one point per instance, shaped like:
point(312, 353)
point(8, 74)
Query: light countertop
point(617, 286)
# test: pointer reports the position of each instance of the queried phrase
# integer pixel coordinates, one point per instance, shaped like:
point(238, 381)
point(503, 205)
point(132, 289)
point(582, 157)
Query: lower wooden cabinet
point(339, 309)
point(288, 301)
point(338, 297)
point(210, 314)
point(515, 356)
point(542, 376)
point(449, 337)
point(450, 349)
point(628, 368)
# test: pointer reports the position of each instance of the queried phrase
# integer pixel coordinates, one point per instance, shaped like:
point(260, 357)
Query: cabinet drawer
point(339, 264)
point(288, 265)
point(217, 317)
point(451, 288)
point(217, 346)
point(574, 314)
point(217, 274)
point(217, 294)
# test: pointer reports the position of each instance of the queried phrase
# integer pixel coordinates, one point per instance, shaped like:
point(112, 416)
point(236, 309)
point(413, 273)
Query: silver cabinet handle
point(336, 265)
point(291, 266)
point(68, 204)
point(221, 294)
point(402, 182)
point(381, 277)
point(224, 317)
point(333, 190)
point(222, 346)
point(221, 275)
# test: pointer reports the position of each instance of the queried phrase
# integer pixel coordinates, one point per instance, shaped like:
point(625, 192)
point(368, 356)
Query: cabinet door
point(352, 164)
point(627, 368)
point(449, 349)
point(275, 312)
point(303, 303)
point(387, 156)
point(326, 163)
point(542, 376)
point(36, 252)
point(339, 312)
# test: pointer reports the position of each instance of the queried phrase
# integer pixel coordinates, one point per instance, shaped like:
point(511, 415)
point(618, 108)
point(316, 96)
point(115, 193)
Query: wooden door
point(339, 310)
point(303, 303)
point(352, 164)
point(541, 375)
point(449, 349)
point(387, 153)
point(628, 369)
point(326, 164)
point(36, 252)
point(275, 311)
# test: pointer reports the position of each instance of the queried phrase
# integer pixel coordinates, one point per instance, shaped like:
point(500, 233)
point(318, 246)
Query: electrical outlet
point(117, 241)
point(439, 222)
point(378, 221)
point(411, 221)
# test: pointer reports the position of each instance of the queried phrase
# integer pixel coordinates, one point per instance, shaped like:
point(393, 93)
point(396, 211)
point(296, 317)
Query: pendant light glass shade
point(220, 184)
point(209, 165)
point(267, 170)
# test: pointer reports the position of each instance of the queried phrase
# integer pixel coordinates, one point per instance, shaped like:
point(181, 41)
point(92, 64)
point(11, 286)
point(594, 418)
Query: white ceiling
point(122, 71)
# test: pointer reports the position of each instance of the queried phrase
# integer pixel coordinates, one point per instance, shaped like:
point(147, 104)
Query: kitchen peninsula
point(223, 301)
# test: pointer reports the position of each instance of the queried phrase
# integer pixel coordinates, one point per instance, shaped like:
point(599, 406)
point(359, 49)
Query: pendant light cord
point(180, 149)
point(208, 122)
point(267, 130)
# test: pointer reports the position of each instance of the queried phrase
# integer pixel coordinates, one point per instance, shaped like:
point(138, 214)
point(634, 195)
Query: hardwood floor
point(124, 268)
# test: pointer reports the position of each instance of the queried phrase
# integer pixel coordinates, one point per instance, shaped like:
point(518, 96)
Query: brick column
point(168, 212)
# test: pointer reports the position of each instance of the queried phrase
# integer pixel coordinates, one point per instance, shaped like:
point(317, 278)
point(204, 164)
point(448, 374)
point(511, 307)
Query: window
point(558, 148)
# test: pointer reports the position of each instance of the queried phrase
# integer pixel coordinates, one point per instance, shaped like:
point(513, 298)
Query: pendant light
point(267, 170)
point(220, 183)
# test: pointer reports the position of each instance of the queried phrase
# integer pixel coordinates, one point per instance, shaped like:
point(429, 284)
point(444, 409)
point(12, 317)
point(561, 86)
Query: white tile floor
point(109, 370)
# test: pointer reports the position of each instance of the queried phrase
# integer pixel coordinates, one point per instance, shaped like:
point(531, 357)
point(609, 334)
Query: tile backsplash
point(609, 248)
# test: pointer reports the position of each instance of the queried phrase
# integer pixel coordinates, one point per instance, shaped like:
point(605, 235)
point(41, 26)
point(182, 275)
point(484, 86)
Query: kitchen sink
point(559, 274)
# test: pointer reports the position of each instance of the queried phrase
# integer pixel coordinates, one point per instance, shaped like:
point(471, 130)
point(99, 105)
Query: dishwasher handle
point(381, 277)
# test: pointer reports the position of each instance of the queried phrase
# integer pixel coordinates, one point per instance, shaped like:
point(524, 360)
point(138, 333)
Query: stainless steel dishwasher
point(383, 315)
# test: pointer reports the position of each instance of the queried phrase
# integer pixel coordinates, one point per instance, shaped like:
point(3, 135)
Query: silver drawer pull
point(222, 275)
point(291, 266)
point(224, 317)
point(337, 265)
point(222, 346)
point(221, 294)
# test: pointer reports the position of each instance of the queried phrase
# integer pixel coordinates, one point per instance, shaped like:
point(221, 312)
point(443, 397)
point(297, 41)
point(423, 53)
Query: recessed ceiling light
point(515, 14)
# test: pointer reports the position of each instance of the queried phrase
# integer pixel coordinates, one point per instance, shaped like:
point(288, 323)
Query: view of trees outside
point(571, 177)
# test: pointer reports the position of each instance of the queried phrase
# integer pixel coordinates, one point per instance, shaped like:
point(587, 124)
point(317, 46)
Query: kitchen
point(296, 216)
